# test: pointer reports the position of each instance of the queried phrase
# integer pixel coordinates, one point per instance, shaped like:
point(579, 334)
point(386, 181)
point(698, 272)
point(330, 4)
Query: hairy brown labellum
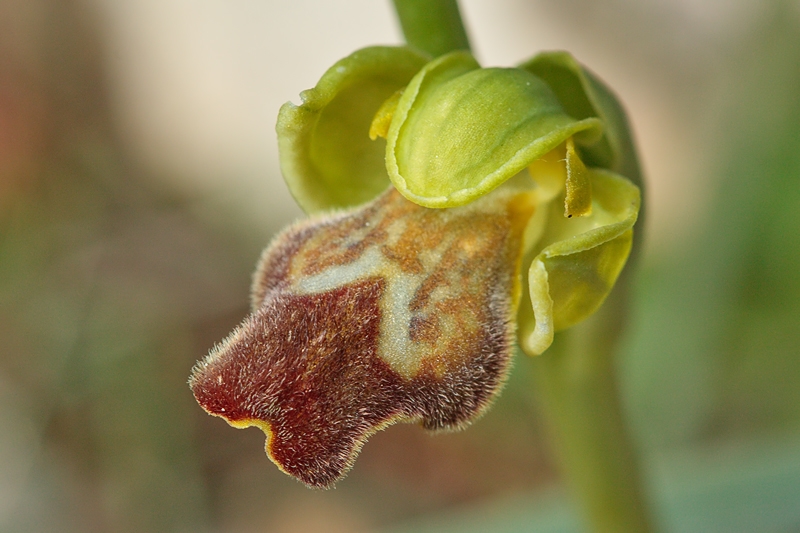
point(391, 312)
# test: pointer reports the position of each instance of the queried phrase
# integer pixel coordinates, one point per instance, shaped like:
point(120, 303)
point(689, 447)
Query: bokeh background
point(139, 181)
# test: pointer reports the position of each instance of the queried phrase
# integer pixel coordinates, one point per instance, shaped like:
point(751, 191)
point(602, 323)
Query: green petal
point(459, 131)
point(580, 261)
point(584, 96)
point(326, 155)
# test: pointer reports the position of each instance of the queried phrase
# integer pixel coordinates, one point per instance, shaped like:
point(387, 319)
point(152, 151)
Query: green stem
point(576, 381)
point(433, 26)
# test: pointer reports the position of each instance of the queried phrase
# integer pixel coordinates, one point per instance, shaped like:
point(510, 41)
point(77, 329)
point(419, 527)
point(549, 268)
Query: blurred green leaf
point(715, 350)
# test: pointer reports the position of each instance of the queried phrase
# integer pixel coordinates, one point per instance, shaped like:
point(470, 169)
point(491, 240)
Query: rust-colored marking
point(424, 328)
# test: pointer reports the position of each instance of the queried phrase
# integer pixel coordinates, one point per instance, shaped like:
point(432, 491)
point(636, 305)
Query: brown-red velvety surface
point(314, 369)
point(326, 391)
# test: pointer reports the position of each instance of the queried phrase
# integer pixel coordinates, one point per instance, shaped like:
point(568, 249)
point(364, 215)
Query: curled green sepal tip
point(326, 155)
point(459, 130)
point(579, 261)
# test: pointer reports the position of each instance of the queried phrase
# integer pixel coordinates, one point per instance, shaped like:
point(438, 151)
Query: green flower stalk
point(493, 214)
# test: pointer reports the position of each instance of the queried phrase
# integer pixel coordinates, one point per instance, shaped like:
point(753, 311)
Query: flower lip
point(392, 312)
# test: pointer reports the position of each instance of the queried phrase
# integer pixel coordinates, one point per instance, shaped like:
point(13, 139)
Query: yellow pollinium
point(561, 171)
point(383, 118)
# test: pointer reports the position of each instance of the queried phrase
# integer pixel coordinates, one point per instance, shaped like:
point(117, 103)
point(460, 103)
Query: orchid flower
point(498, 211)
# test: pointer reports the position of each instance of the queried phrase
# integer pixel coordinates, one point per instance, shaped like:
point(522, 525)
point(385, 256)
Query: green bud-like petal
point(579, 261)
point(583, 95)
point(459, 131)
point(326, 155)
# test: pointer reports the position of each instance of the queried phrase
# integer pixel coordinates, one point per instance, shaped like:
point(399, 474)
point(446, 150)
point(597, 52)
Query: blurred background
point(139, 182)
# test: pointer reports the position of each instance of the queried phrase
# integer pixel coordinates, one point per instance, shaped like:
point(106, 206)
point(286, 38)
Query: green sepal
point(459, 131)
point(326, 155)
point(579, 261)
point(584, 96)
